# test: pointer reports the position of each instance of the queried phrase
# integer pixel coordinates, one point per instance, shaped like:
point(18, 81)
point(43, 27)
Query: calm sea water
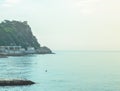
point(66, 71)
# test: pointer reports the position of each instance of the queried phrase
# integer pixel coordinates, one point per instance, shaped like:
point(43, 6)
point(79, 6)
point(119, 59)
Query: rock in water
point(15, 82)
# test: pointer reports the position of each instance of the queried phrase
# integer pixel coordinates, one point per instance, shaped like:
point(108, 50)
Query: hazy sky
point(69, 24)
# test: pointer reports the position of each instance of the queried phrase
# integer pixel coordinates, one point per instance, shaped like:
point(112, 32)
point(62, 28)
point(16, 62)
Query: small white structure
point(30, 50)
point(16, 50)
point(11, 50)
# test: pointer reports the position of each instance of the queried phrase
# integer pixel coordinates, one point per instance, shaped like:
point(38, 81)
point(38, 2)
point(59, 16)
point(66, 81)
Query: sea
point(64, 71)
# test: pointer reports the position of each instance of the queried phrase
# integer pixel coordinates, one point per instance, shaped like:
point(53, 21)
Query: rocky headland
point(16, 38)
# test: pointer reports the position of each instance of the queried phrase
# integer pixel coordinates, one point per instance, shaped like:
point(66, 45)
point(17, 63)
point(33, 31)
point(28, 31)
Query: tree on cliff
point(17, 33)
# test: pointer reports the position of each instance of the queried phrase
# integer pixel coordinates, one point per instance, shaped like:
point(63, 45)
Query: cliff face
point(16, 33)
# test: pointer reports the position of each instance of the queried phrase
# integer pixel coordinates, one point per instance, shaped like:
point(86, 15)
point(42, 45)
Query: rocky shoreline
point(41, 50)
point(15, 82)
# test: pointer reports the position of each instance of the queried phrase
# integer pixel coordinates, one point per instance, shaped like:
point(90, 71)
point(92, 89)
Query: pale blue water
point(66, 71)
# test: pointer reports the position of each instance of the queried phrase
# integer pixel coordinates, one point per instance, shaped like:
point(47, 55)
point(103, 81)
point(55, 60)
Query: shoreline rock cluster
point(15, 82)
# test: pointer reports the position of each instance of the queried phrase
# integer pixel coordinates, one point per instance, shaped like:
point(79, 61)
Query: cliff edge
point(17, 33)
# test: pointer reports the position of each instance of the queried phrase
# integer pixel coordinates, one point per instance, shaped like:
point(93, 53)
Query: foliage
point(18, 33)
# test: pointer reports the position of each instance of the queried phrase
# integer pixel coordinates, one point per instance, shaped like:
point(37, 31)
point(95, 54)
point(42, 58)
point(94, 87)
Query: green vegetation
point(18, 33)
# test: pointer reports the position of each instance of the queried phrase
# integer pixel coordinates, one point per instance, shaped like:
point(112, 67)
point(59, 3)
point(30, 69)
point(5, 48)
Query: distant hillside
point(18, 33)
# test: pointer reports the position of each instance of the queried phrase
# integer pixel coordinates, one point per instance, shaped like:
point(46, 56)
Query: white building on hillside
point(30, 50)
point(11, 49)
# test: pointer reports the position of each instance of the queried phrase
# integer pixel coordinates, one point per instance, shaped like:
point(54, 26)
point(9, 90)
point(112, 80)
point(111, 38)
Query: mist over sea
point(64, 71)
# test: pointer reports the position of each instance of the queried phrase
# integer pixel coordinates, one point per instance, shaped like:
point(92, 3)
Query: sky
point(68, 24)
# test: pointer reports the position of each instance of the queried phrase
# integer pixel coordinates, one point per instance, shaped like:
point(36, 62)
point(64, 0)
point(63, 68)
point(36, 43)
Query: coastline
point(20, 52)
point(5, 55)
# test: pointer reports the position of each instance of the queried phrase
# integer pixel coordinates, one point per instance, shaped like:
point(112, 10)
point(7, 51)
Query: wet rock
point(15, 82)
